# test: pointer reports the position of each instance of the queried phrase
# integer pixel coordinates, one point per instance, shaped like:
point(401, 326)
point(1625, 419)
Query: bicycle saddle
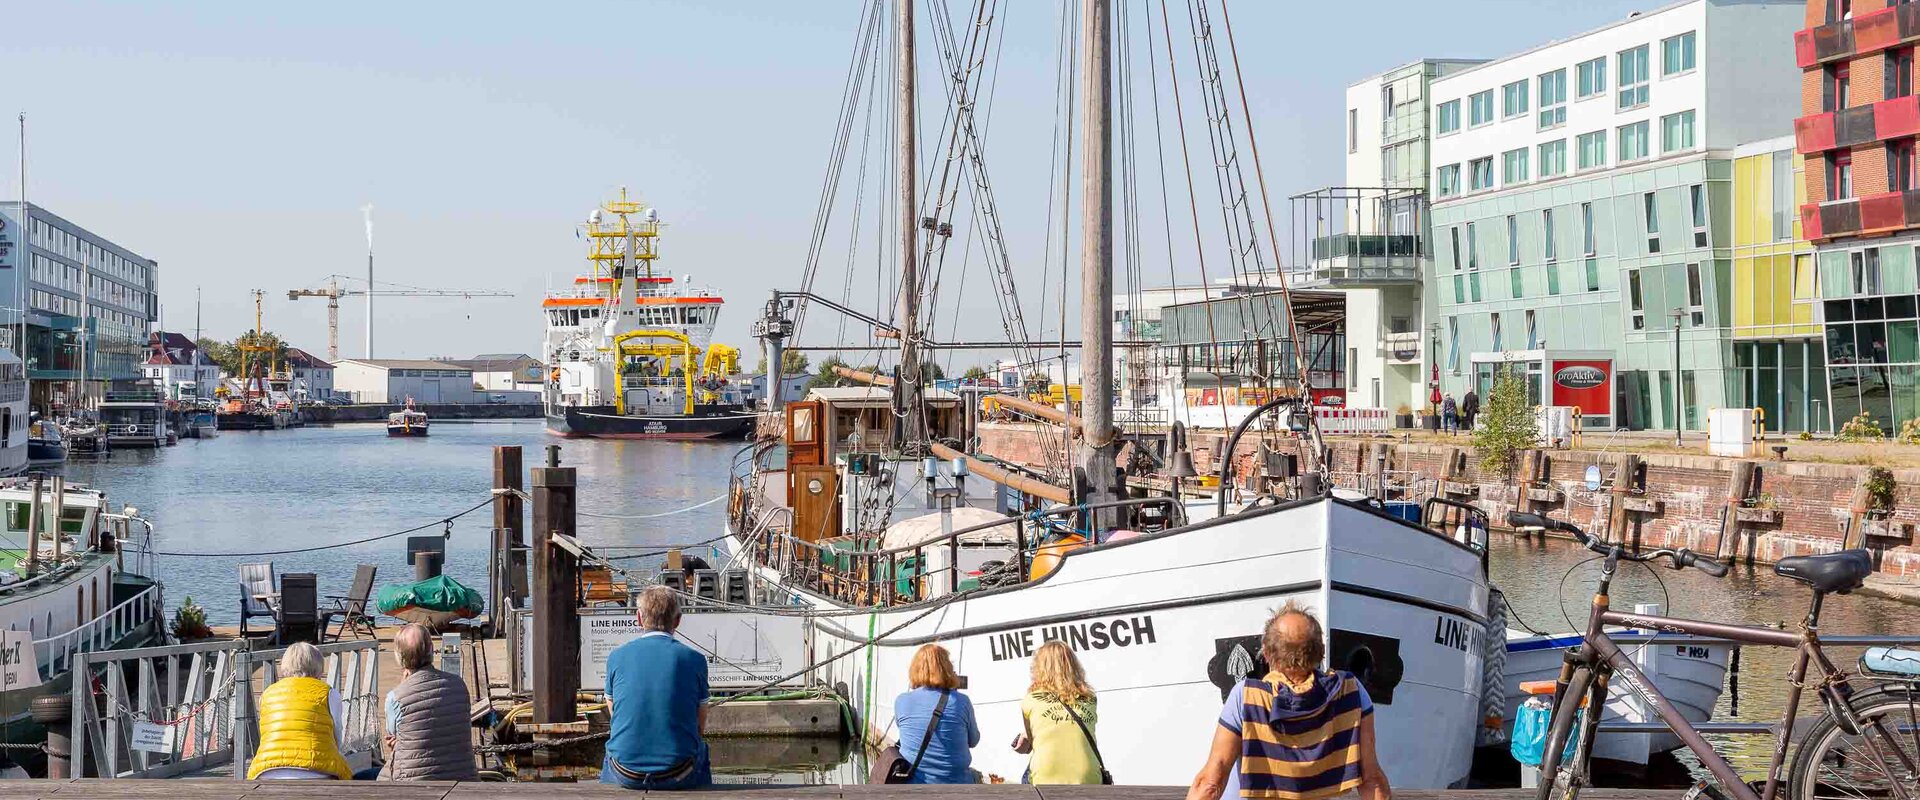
point(1840, 572)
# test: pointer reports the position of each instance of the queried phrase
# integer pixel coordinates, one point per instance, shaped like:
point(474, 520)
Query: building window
point(1838, 10)
point(1866, 271)
point(1480, 108)
point(1900, 165)
point(1697, 201)
point(1533, 339)
point(1586, 229)
point(1353, 130)
point(1553, 99)
point(1833, 86)
point(1546, 227)
point(1513, 167)
point(1633, 142)
point(1453, 344)
point(1592, 78)
point(1896, 71)
point(1696, 308)
point(1783, 195)
point(1632, 78)
point(1513, 239)
point(1457, 264)
point(1481, 170)
point(1676, 54)
point(1473, 248)
point(1593, 150)
point(1449, 180)
point(1513, 99)
point(1496, 331)
point(1637, 314)
point(1653, 221)
point(1553, 158)
point(1449, 117)
point(1840, 175)
point(1676, 132)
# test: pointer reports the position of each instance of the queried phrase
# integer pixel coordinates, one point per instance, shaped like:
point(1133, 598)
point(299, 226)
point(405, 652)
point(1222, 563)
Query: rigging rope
point(701, 504)
point(445, 522)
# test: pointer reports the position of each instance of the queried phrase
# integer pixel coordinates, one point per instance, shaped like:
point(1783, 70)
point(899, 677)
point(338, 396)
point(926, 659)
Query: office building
point(1779, 358)
point(84, 294)
point(1583, 210)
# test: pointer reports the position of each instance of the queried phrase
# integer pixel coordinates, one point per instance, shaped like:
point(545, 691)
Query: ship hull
point(407, 431)
point(601, 422)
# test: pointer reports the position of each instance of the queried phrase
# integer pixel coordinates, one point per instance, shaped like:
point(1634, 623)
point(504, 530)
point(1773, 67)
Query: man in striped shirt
point(1299, 733)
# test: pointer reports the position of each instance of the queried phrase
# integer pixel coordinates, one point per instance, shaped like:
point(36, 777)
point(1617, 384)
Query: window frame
point(1900, 165)
point(1441, 182)
point(1473, 174)
point(1896, 72)
point(1636, 93)
point(1599, 138)
point(1689, 117)
point(1697, 207)
point(1636, 306)
point(1559, 148)
point(1441, 124)
point(1650, 205)
point(1598, 84)
point(1473, 109)
point(1513, 240)
point(1508, 92)
point(1839, 164)
point(1641, 135)
point(1510, 159)
point(1689, 53)
point(1473, 248)
point(1551, 110)
point(1589, 243)
point(1548, 252)
point(1696, 296)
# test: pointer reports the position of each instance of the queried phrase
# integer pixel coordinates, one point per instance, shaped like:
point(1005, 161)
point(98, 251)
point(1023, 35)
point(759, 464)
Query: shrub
point(1506, 425)
point(1859, 429)
point(1880, 488)
point(190, 622)
point(1910, 431)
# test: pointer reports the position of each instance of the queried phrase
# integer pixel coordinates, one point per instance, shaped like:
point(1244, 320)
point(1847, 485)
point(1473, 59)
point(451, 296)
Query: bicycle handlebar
point(1680, 559)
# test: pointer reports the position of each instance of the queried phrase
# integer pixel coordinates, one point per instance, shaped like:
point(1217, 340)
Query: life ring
point(131, 429)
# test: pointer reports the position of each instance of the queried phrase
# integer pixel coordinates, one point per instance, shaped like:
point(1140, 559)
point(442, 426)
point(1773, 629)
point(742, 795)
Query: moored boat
point(408, 421)
point(134, 417)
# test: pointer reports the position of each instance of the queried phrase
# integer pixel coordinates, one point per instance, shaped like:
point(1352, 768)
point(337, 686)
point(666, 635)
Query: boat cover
point(926, 528)
point(441, 594)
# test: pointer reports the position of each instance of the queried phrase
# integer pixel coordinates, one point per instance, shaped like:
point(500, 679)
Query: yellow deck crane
point(333, 292)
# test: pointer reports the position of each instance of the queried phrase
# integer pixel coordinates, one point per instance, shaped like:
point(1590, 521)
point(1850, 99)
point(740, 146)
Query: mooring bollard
point(55, 712)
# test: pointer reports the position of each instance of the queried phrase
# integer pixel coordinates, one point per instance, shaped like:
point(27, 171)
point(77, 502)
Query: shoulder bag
point(899, 769)
point(1106, 778)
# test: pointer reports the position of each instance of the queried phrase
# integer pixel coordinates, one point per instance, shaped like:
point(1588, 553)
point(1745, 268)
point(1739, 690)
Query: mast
point(19, 267)
point(908, 388)
point(367, 211)
point(1096, 259)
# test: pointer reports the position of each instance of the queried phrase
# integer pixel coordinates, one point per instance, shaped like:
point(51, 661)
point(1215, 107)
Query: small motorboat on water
point(84, 438)
point(408, 421)
point(45, 444)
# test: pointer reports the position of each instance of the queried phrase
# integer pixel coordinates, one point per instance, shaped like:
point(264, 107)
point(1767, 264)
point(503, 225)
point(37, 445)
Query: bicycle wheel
point(1835, 765)
point(1564, 713)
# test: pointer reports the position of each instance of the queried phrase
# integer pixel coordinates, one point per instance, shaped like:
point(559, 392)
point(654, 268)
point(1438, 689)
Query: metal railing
point(154, 712)
point(139, 612)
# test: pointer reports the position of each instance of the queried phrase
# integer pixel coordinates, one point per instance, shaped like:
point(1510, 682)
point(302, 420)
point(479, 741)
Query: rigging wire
point(444, 522)
point(865, 37)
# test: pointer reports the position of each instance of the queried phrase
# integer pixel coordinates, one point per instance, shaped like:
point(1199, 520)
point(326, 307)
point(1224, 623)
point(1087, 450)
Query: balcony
point(1344, 260)
point(1888, 119)
point(1359, 237)
point(1868, 32)
point(1859, 216)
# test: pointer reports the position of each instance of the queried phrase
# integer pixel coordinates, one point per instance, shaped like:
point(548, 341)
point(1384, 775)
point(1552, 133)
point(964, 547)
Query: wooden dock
point(95, 789)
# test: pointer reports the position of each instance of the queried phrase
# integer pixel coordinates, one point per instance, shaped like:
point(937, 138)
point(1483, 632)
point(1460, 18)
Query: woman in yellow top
point(299, 723)
point(1063, 751)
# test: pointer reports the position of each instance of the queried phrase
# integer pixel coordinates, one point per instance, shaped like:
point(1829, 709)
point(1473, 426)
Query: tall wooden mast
point(1096, 258)
point(908, 387)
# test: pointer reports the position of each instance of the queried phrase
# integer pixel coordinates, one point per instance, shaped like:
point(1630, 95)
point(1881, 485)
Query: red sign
point(1587, 384)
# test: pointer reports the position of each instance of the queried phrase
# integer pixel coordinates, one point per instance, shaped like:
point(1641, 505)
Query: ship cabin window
point(17, 514)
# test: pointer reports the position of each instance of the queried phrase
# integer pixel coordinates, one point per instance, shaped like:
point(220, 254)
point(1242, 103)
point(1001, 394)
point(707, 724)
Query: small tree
point(792, 362)
point(825, 375)
point(1506, 425)
point(975, 373)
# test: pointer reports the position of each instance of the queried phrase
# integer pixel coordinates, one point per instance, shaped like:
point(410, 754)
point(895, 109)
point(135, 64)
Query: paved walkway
point(234, 790)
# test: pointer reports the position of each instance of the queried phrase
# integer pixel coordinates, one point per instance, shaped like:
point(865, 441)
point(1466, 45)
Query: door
point(429, 391)
point(805, 437)
point(814, 493)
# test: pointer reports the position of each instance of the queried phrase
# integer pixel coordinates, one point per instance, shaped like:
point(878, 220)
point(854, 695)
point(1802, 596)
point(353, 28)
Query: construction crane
point(333, 293)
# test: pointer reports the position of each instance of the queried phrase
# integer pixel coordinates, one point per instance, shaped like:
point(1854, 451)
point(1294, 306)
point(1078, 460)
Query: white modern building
point(1581, 207)
point(503, 372)
point(175, 363)
point(311, 373)
point(395, 380)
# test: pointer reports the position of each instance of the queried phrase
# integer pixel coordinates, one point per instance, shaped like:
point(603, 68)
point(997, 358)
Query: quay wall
point(1791, 508)
point(377, 412)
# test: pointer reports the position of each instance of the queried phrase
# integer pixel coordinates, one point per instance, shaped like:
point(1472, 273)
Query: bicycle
point(1830, 760)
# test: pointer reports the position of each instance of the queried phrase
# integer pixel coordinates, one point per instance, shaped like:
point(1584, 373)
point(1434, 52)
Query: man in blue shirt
point(658, 688)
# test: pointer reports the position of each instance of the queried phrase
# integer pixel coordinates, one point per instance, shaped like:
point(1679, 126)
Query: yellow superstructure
point(1774, 280)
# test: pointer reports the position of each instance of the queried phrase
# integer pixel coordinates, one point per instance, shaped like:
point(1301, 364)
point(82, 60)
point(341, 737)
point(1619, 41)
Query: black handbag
point(900, 770)
point(1106, 778)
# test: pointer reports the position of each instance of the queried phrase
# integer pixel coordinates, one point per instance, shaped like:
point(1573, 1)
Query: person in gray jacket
point(428, 734)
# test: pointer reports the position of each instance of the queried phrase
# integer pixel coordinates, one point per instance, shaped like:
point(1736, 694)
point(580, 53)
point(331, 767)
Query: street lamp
point(1677, 314)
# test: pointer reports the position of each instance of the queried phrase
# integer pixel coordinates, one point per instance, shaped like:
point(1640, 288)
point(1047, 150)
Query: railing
point(155, 712)
point(56, 653)
point(130, 543)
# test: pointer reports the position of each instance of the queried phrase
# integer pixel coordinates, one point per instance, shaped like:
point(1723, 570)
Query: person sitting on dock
point(936, 720)
point(1059, 714)
point(658, 689)
point(299, 723)
point(1299, 733)
point(427, 729)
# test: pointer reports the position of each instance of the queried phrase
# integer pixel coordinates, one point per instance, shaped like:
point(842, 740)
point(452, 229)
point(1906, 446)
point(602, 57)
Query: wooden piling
point(509, 536)
point(1626, 474)
point(33, 528)
point(556, 618)
point(1529, 470)
point(1739, 487)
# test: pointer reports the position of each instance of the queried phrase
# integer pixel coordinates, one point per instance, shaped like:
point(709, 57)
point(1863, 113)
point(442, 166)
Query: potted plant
point(1430, 418)
point(190, 622)
point(1403, 416)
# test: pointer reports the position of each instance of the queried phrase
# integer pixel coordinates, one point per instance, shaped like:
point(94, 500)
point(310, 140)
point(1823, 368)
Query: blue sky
point(236, 142)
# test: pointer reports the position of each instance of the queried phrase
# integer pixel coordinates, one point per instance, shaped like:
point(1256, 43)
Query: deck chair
point(350, 609)
point(299, 619)
point(257, 591)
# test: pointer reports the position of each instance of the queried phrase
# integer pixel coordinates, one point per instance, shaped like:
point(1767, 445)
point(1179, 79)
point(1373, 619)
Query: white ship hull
point(1157, 621)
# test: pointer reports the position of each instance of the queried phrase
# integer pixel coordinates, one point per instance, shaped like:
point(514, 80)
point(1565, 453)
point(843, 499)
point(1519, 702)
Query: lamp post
point(1677, 314)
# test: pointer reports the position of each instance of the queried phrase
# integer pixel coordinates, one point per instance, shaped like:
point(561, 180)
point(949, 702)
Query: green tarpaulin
point(442, 595)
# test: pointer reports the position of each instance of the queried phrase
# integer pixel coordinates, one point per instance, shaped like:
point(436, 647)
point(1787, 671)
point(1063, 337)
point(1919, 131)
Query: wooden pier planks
point(202, 789)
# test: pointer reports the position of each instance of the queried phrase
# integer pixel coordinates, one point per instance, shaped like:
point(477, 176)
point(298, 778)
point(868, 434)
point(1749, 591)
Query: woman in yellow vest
point(299, 733)
point(1059, 712)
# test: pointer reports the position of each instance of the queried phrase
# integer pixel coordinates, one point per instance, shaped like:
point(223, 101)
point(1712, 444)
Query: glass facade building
point(82, 291)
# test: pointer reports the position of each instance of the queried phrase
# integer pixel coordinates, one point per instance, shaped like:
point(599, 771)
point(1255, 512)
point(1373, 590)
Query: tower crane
point(333, 292)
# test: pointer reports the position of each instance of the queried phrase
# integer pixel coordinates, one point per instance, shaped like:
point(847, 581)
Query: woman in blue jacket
point(949, 751)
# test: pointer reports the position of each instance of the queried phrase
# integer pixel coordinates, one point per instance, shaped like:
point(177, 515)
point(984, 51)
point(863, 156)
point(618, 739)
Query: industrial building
point(396, 380)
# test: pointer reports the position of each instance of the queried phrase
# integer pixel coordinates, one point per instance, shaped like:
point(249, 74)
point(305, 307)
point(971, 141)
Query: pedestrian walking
point(658, 689)
point(1300, 732)
point(1450, 415)
point(299, 723)
point(1469, 408)
point(937, 731)
point(1060, 714)
point(428, 737)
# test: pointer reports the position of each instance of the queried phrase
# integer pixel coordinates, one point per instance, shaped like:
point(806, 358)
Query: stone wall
point(1814, 504)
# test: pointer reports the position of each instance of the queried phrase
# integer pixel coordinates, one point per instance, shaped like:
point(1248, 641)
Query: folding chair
point(299, 609)
point(258, 593)
point(351, 608)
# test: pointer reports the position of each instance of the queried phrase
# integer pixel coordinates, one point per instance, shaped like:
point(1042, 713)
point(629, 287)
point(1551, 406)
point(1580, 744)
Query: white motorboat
point(1691, 675)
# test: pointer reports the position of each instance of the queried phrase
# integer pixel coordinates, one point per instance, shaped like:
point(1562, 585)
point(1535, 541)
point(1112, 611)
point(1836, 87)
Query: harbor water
point(247, 493)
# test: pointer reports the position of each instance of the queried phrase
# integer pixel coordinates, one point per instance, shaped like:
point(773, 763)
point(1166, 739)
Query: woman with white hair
point(299, 723)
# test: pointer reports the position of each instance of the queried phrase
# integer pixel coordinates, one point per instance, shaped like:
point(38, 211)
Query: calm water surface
point(255, 491)
point(246, 492)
